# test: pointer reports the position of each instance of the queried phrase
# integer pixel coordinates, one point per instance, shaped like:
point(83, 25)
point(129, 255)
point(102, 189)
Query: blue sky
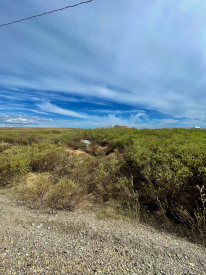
point(135, 63)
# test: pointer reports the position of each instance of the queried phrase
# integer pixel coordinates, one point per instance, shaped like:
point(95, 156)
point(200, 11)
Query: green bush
point(14, 163)
point(4, 146)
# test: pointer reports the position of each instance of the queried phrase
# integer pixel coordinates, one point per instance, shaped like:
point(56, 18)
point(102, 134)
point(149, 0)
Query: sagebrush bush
point(4, 146)
point(168, 172)
point(14, 162)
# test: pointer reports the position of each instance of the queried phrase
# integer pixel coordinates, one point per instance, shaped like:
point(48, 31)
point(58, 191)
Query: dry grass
point(77, 153)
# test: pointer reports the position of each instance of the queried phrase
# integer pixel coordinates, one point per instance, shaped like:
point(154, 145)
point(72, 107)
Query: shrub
point(13, 164)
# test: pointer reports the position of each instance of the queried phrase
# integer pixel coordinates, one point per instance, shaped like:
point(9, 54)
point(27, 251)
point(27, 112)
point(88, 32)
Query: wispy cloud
point(51, 108)
point(139, 120)
point(144, 55)
point(106, 111)
point(136, 118)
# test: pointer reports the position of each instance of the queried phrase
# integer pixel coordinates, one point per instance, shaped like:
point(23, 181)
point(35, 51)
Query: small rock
point(41, 224)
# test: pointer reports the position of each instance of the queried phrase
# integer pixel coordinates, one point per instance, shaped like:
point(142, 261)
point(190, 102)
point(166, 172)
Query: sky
point(133, 63)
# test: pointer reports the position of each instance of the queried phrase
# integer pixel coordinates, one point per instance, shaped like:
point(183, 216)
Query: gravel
point(37, 242)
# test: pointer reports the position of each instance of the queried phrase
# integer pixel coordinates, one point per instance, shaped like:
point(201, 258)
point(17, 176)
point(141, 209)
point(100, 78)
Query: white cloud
point(18, 120)
point(168, 121)
point(154, 51)
point(48, 107)
point(110, 118)
point(21, 120)
point(35, 111)
point(106, 111)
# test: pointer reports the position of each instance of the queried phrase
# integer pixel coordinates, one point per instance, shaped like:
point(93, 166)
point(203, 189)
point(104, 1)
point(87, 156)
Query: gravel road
point(38, 242)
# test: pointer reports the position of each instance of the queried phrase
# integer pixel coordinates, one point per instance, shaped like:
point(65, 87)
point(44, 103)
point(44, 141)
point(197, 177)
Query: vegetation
point(158, 175)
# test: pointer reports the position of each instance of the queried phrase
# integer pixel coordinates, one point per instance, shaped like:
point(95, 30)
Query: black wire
point(45, 13)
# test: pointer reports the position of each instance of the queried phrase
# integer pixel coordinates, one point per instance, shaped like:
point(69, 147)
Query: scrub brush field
point(156, 177)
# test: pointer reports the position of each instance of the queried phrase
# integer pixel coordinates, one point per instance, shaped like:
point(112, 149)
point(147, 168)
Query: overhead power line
point(45, 13)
